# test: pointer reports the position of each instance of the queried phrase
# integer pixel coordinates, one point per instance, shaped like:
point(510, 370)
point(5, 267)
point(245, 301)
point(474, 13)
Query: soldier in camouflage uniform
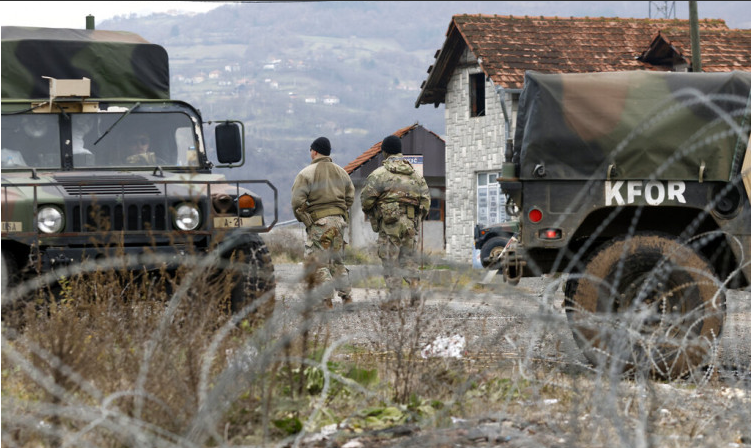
point(396, 198)
point(321, 197)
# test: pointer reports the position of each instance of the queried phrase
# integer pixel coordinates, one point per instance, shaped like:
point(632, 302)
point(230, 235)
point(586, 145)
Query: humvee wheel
point(9, 280)
point(8, 274)
point(491, 249)
point(254, 279)
point(646, 302)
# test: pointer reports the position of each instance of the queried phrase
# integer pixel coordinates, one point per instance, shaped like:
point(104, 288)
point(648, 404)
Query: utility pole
point(693, 17)
point(666, 10)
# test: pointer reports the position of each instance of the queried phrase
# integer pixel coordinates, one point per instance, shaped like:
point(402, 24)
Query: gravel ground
point(516, 309)
point(527, 322)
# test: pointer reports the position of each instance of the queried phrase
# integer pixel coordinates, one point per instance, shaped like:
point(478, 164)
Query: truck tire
point(646, 302)
point(10, 271)
point(491, 248)
point(12, 307)
point(254, 280)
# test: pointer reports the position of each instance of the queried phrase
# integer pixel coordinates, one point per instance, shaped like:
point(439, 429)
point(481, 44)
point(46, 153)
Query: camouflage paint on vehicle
point(98, 160)
point(746, 169)
point(631, 125)
point(118, 63)
point(632, 185)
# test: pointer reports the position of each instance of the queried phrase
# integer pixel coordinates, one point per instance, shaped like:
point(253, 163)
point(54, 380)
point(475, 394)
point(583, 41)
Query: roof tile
point(508, 46)
point(374, 150)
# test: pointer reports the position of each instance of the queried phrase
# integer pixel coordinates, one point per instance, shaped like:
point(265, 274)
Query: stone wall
point(473, 145)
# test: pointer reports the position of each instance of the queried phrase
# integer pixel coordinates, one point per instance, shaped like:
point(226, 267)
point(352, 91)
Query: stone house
point(479, 73)
point(428, 153)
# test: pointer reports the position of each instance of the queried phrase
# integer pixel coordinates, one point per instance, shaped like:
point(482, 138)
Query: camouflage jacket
point(395, 182)
point(324, 188)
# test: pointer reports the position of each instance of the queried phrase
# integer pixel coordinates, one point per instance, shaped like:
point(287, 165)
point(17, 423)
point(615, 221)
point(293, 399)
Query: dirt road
point(526, 320)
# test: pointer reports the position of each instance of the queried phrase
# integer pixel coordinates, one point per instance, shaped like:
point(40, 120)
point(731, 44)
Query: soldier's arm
point(349, 193)
point(368, 197)
point(424, 199)
point(300, 191)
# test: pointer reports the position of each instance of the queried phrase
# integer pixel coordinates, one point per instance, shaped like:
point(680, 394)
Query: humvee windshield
point(98, 140)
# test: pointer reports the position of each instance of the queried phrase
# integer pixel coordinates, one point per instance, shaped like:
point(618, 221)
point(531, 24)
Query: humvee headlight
point(49, 219)
point(187, 217)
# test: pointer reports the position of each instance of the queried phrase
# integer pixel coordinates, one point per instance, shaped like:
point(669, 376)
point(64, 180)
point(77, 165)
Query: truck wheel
point(10, 271)
point(646, 302)
point(491, 249)
point(254, 280)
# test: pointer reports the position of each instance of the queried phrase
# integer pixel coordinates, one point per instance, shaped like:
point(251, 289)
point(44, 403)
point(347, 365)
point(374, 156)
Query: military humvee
point(492, 239)
point(632, 184)
point(97, 159)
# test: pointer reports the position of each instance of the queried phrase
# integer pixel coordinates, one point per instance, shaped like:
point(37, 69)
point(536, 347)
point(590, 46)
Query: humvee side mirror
point(229, 145)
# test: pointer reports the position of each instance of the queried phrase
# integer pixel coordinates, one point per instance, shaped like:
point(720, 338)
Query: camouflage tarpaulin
point(119, 64)
point(636, 124)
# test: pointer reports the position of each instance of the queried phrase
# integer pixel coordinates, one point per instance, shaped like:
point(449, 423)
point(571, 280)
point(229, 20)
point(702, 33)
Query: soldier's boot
point(347, 302)
point(415, 293)
point(389, 305)
point(393, 300)
point(415, 298)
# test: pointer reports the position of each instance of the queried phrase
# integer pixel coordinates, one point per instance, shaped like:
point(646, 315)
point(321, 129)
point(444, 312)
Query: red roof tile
point(507, 46)
point(723, 50)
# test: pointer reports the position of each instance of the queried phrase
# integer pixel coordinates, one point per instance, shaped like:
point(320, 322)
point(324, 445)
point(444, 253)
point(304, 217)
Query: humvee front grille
point(144, 217)
point(101, 203)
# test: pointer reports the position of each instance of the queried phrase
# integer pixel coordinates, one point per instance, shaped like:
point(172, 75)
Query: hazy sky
point(72, 14)
point(66, 14)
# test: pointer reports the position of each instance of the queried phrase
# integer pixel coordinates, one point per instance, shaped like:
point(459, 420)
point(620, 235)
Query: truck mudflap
point(512, 262)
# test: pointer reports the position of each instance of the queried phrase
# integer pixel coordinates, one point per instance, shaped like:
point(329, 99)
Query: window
point(491, 203)
point(135, 139)
point(31, 140)
point(477, 95)
point(437, 204)
point(436, 210)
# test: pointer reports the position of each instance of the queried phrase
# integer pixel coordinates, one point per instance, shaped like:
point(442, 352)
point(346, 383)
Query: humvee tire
point(491, 249)
point(254, 280)
point(9, 273)
point(646, 301)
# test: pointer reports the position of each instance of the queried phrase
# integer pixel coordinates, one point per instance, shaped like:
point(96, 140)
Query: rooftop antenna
point(662, 10)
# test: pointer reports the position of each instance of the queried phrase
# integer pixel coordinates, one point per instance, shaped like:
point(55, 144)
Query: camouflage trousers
point(324, 255)
point(397, 249)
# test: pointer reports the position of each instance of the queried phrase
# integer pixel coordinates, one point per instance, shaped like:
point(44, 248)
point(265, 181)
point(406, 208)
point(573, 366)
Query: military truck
point(635, 186)
point(491, 239)
point(98, 160)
